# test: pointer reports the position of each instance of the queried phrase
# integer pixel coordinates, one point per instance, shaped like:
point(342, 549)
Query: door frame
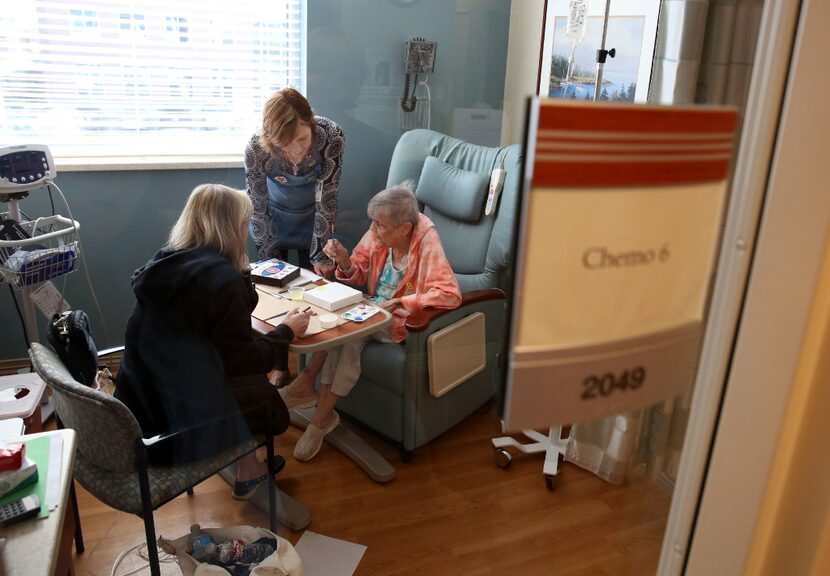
point(760, 302)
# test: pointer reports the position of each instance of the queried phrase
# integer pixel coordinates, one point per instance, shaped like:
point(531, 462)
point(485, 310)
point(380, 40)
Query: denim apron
point(292, 200)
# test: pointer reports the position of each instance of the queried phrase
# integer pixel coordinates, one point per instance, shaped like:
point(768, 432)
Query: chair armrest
point(170, 434)
point(109, 351)
point(419, 321)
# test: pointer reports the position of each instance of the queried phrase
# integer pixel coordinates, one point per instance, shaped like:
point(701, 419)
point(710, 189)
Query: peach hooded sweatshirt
point(427, 282)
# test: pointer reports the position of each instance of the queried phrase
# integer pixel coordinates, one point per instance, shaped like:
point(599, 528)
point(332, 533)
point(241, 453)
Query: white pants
point(342, 366)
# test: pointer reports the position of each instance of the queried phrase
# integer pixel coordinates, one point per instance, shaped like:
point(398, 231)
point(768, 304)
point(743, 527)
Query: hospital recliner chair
point(453, 360)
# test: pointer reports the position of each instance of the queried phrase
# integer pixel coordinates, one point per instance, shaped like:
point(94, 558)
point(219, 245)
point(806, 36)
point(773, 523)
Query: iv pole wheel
point(503, 458)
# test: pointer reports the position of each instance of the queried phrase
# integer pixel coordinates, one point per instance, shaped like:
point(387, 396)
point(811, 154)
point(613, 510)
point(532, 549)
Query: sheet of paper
point(38, 450)
point(305, 276)
point(326, 556)
point(11, 427)
point(271, 304)
point(49, 300)
point(53, 479)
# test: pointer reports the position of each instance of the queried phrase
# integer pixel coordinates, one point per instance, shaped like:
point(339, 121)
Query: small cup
point(295, 293)
point(328, 320)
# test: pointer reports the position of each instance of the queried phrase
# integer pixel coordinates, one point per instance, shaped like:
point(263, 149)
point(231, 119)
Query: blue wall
point(355, 77)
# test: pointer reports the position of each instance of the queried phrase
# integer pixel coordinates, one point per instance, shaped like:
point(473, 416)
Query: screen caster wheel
point(503, 458)
point(549, 482)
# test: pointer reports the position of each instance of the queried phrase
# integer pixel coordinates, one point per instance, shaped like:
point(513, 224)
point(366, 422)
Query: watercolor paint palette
point(361, 312)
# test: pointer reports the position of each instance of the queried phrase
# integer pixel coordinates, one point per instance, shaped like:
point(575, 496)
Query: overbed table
point(342, 438)
point(293, 513)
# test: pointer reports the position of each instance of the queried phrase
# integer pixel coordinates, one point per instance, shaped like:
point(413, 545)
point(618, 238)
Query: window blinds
point(145, 77)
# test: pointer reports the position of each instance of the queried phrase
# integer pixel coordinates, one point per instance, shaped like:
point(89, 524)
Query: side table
point(29, 391)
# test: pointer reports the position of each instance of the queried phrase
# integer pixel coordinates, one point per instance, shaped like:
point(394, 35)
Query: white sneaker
point(311, 441)
point(294, 398)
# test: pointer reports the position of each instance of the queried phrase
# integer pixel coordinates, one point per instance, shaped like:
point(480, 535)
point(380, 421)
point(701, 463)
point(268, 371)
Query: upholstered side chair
point(111, 455)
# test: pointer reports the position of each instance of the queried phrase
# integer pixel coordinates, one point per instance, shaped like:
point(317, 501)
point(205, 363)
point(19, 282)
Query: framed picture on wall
point(570, 50)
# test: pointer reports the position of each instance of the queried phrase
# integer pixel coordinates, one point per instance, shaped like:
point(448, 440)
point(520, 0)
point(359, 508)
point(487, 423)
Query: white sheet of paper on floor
point(326, 556)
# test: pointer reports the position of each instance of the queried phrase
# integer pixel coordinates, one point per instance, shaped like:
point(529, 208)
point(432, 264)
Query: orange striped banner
point(599, 144)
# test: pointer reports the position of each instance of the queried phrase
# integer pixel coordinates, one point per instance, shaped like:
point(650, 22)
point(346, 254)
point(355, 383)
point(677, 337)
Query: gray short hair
point(396, 204)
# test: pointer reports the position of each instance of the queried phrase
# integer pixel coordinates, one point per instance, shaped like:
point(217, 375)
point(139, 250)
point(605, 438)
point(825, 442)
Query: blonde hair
point(214, 215)
point(284, 112)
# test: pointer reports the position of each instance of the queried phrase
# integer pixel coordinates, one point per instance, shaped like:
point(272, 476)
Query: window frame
point(650, 9)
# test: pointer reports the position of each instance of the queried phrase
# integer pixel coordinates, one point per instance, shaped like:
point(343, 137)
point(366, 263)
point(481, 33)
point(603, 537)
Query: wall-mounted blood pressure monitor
point(25, 167)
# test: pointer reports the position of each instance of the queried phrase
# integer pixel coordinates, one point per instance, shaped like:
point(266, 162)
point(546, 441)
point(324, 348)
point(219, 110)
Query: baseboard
point(15, 366)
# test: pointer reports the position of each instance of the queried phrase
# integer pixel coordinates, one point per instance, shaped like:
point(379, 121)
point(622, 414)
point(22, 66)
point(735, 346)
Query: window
point(144, 78)
point(570, 51)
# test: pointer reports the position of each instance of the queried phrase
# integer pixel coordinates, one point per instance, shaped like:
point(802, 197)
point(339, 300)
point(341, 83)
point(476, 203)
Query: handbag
point(70, 336)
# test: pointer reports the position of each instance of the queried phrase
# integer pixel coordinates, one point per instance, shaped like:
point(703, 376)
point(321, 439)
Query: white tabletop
point(270, 303)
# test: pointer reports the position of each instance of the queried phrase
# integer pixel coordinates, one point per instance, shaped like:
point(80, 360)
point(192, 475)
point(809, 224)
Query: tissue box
point(11, 456)
point(332, 296)
point(12, 480)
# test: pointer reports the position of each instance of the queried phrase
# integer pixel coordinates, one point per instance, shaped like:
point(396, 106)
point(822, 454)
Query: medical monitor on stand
point(32, 251)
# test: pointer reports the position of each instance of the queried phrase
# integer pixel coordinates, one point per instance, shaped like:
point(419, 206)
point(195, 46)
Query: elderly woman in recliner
point(402, 262)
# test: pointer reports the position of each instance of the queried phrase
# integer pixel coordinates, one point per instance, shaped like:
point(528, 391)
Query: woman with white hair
point(402, 262)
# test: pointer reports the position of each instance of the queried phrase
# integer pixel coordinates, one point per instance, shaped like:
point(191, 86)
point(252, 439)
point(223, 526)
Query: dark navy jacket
point(188, 340)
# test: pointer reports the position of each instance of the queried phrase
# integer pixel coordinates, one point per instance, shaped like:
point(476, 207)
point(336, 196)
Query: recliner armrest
point(419, 321)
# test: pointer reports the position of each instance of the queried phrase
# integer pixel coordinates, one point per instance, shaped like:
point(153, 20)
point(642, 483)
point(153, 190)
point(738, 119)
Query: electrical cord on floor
point(164, 558)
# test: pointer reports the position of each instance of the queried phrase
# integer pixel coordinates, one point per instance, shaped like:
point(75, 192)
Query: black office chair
point(111, 455)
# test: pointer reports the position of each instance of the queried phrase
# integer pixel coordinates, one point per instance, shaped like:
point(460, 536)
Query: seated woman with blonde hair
point(402, 262)
point(191, 358)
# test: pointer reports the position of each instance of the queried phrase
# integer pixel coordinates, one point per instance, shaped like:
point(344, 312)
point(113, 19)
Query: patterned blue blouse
point(329, 141)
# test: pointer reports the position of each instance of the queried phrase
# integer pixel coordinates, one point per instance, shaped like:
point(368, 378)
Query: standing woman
point(292, 171)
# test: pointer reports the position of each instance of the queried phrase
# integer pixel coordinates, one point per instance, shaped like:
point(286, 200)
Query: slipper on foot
point(247, 489)
point(311, 441)
point(292, 402)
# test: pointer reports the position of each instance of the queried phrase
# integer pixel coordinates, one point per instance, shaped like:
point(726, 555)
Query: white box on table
point(332, 296)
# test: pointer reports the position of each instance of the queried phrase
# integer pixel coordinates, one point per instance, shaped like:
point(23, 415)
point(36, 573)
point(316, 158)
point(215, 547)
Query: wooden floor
point(450, 511)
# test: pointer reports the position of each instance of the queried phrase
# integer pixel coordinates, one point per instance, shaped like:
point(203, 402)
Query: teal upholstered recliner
point(452, 361)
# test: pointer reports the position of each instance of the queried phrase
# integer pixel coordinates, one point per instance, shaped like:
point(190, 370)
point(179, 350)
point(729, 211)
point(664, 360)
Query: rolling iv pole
point(602, 53)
